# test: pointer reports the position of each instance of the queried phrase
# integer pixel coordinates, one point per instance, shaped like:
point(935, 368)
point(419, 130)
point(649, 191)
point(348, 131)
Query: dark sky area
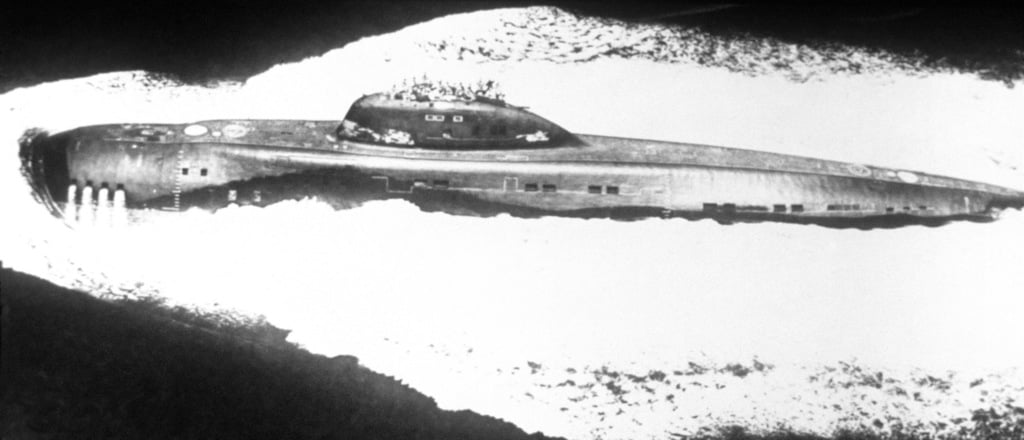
point(234, 39)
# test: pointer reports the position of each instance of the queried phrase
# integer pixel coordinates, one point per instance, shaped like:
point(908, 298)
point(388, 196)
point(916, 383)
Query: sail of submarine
point(479, 156)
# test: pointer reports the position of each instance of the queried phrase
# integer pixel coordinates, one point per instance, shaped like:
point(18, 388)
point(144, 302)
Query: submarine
point(475, 154)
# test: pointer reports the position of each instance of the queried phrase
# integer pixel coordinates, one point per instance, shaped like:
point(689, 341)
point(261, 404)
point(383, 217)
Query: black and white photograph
point(511, 220)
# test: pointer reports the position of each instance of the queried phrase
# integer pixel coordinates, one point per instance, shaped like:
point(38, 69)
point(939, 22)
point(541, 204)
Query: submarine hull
point(163, 167)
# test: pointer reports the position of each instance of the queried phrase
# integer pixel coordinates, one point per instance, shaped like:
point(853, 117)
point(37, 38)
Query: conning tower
point(466, 123)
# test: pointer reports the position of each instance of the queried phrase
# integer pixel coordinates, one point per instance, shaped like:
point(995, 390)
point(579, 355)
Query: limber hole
point(611, 189)
point(530, 187)
point(594, 189)
point(710, 207)
point(843, 207)
point(796, 208)
point(549, 188)
point(441, 183)
point(779, 208)
point(202, 172)
point(184, 171)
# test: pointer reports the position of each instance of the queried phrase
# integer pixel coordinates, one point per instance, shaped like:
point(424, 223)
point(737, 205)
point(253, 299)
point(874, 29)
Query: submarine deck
point(319, 136)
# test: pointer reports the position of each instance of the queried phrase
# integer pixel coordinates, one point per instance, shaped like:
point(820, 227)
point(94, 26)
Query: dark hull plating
point(162, 167)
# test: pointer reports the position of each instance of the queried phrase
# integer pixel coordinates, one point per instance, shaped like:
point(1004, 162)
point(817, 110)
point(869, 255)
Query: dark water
point(234, 39)
point(76, 367)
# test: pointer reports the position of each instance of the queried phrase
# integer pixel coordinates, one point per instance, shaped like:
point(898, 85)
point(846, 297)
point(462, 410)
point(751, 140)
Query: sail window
point(202, 172)
point(594, 189)
point(184, 171)
point(530, 187)
point(457, 118)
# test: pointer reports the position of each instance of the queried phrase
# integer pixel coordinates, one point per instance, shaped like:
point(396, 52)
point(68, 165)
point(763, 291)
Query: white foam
point(457, 306)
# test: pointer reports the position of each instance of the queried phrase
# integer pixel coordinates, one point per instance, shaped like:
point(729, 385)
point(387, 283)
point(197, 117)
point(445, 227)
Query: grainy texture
point(231, 39)
point(78, 367)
